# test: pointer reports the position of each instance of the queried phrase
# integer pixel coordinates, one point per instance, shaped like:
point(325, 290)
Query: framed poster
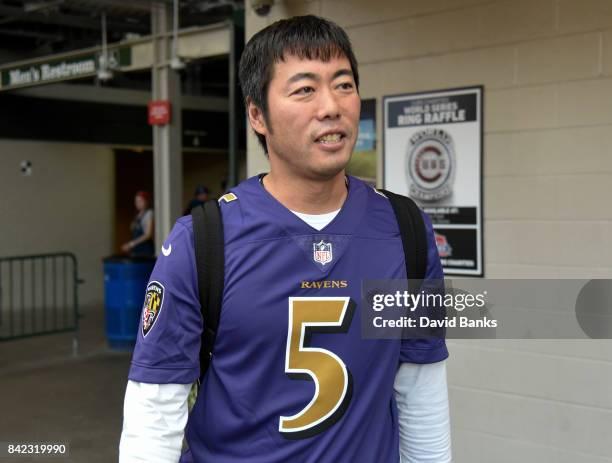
point(432, 152)
point(363, 160)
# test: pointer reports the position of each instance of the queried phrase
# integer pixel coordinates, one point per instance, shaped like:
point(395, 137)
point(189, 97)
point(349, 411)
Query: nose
point(329, 108)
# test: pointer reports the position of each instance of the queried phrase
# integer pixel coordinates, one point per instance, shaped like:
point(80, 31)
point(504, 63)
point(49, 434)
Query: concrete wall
point(546, 66)
point(67, 204)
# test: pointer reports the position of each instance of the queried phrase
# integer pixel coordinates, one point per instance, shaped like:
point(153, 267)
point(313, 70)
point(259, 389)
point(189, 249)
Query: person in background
point(200, 196)
point(141, 244)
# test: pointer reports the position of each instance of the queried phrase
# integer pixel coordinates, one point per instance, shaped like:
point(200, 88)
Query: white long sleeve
point(154, 419)
point(421, 394)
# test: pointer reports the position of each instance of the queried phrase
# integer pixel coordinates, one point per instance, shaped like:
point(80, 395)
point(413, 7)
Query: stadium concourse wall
point(68, 203)
point(546, 67)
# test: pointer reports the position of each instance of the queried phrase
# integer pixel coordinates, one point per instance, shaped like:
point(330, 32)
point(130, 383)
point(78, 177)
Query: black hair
point(307, 37)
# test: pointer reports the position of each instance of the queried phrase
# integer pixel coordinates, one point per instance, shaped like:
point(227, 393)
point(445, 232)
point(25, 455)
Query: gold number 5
point(333, 381)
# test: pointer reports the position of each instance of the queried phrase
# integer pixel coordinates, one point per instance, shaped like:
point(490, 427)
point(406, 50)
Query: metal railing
point(39, 295)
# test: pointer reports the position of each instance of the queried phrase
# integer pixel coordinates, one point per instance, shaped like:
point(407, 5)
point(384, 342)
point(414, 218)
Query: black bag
point(210, 260)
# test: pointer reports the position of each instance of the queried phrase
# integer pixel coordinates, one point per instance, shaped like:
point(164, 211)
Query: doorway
point(134, 172)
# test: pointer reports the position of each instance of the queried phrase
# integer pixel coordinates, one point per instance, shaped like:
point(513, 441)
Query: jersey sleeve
point(427, 350)
point(168, 343)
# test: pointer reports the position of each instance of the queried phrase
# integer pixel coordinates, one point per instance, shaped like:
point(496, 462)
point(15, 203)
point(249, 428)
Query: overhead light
point(176, 63)
point(104, 73)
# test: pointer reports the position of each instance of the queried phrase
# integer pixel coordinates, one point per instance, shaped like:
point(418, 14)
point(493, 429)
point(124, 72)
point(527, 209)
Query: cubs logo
point(153, 303)
point(444, 249)
point(322, 252)
point(430, 165)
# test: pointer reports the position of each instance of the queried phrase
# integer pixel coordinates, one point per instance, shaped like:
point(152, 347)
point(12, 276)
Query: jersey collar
point(345, 223)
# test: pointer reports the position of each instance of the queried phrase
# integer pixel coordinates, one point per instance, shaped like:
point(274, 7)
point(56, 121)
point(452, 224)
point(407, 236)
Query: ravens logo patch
point(153, 303)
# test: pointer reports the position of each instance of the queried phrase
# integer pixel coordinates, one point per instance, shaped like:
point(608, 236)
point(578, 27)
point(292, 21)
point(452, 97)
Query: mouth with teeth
point(330, 138)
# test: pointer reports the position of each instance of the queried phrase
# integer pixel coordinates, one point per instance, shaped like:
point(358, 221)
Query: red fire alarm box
point(159, 112)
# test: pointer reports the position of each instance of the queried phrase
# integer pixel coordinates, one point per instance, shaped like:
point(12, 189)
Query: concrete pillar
point(167, 139)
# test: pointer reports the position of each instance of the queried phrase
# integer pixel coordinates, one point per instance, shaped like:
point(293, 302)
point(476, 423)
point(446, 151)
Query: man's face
point(313, 116)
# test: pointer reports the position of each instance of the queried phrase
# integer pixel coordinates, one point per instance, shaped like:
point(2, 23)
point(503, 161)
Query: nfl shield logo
point(322, 252)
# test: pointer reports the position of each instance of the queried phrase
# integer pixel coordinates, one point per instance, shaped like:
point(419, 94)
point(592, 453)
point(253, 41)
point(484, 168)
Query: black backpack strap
point(414, 237)
point(210, 265)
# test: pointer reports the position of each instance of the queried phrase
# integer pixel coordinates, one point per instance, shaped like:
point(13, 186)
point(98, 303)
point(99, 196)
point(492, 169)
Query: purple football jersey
point(291, 378)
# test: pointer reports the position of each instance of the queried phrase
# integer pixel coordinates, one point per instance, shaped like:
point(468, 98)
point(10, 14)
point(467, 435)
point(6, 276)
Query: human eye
point(346, 86)
point(304, 91)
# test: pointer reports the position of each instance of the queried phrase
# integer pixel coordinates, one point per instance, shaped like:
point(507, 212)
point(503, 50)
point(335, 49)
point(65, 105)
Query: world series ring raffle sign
point(432, 152)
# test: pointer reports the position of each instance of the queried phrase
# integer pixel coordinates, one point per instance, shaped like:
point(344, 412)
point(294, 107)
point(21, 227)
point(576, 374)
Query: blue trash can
point(125, 282)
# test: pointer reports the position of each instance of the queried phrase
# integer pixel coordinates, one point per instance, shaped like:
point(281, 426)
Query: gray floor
point(46, 395)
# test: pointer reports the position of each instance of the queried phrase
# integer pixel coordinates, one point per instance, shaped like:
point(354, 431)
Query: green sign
point(63, 69)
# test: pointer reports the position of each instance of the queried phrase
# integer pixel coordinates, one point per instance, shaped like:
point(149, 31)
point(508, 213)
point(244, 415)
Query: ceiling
point(31, 28)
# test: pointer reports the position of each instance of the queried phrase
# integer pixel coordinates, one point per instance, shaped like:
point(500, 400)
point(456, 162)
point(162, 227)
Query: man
point(200, 196)
point(291, 378)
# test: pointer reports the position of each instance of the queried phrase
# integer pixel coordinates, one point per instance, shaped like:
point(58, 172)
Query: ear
point(256, 118)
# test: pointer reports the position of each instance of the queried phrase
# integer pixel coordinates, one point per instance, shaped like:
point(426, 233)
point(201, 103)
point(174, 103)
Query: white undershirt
point(155, 415)
point(317, 221)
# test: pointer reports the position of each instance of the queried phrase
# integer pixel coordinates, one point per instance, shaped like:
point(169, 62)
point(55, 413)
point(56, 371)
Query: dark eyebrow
point(302, 75)
point(342, 72)
point(315, 77)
